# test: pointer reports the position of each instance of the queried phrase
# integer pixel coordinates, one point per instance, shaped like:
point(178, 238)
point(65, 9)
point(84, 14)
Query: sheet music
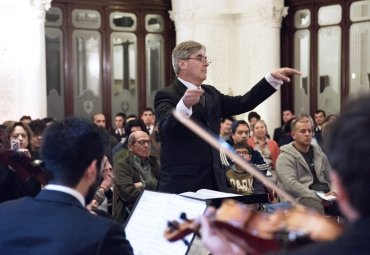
point(208, 194)
point(148, 221)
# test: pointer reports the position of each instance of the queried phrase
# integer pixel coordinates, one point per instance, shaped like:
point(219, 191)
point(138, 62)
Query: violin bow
point(221, 145)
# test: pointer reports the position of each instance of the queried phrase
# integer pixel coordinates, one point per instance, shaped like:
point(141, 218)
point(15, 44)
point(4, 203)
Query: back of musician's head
point(69, 147)
point(349, 152)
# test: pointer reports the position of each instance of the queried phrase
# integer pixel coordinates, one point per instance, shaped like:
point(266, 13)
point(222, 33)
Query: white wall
point(22, 59)
point(242, 40)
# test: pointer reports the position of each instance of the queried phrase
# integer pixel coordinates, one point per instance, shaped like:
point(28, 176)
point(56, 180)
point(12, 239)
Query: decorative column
point(22, 59)
point(182, 14)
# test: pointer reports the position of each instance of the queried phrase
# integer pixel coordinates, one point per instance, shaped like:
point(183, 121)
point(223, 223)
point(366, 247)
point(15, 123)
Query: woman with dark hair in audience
point(15, 180)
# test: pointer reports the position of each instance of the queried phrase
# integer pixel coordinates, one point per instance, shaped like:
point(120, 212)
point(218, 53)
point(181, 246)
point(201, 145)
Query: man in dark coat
point(187, 162)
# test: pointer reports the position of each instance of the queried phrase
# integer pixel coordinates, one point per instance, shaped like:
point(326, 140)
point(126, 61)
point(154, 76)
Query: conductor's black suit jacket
point(187, 162)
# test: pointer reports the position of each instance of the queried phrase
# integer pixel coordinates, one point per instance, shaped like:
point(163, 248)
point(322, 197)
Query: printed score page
point(148, 222)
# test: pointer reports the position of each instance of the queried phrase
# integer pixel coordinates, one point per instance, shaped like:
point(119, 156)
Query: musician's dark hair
point(348, 150)
point(69, 147)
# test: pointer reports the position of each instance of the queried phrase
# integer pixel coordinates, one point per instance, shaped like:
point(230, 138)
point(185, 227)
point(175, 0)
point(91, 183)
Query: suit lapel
point(180, 88)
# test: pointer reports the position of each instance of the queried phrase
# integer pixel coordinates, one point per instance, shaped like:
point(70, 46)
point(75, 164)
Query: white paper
point(325, 197)
point(208, 194)
point(148, 222)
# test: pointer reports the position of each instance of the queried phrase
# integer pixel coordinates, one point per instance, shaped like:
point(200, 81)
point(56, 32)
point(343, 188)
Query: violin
point(23, 166)
point(261, 231)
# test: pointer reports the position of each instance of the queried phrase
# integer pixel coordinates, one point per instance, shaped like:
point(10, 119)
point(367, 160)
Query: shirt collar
point(189, 85)
point(67, 190)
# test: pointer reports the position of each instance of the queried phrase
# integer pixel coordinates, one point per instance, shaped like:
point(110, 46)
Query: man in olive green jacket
point(137, 171)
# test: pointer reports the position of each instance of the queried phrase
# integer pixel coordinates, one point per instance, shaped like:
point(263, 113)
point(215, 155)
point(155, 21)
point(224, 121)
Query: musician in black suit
point(187, 162)
point(56, 221)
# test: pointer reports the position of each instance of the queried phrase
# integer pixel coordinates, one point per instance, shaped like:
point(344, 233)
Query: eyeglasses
point(242, 153)
point(143, 142)
point(200, 58)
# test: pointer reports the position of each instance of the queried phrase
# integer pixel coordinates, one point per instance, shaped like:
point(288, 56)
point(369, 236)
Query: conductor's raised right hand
point(192, 97)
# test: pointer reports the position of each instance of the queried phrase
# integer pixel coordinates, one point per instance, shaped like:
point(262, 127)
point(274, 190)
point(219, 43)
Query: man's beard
point(92, 190)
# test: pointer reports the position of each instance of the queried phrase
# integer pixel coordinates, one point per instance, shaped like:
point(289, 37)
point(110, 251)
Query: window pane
point(330, 15)
point(360, 57)
point(124, 73)
point(154, 46)
point(54, 72)
point(123, 21)
point(86, 19)
point(360, 11)
point(302, 18)
point(329, 80)
point(154, 23)
point(302, 63)
point(87, 68)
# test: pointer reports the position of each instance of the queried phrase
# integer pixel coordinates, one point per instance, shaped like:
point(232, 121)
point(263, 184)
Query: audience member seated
point(302, 168)
point(320, 116)
point(121, 149)
point(119, 131)
point(240, 133)
point(8, 123)
point(14, 182)
point(138, 170)
point(225, 127)
point(48, 120)
point(280, 131)
point(286, 137)
point(25, 119)
point(241, 181)
point(149, 119)
point(103, 196)
point(37, 126)
point(19, 136)
point(268, 148)
point(252, 119)
point(99, 120)
point(56, 221)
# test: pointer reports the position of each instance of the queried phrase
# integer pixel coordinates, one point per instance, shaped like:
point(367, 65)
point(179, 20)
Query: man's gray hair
point(183, 51)
point(131, 138)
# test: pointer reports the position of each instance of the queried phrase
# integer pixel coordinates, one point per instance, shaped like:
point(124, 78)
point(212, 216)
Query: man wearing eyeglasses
point(138, 170)
point(187, 162)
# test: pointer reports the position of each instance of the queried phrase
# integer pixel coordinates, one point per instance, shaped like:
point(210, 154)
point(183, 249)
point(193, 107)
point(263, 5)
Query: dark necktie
point(202, 101)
